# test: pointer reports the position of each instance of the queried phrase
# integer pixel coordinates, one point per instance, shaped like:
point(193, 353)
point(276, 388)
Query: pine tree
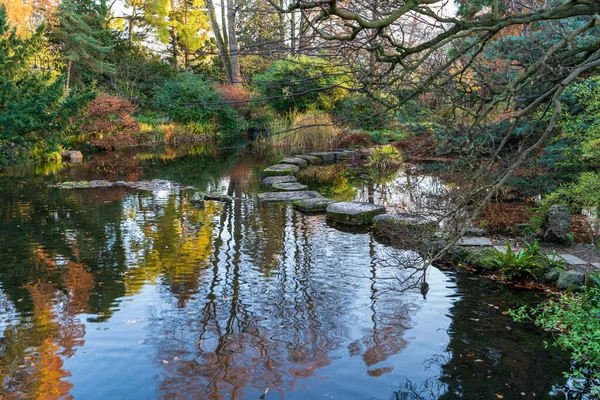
point(34, 105)
point(83, 39)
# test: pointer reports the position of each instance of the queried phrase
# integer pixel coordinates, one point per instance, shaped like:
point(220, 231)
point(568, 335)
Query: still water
point(118, 293)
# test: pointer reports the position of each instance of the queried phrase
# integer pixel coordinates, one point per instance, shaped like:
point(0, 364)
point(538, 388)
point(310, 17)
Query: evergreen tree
point(83, 39)
point(34, 107)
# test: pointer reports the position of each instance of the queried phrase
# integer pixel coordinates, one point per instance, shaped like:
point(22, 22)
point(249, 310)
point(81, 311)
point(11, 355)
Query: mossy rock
point(553, 274)
point(218, 197)
point(289, 196)
point(271, 180)
point(354, 213)
point(399, 226)
point(281, 170)
point(313, 205)
point(297, 161)
point(288, 187)
point(570, 280)
point(312, 160)
point(197, 200)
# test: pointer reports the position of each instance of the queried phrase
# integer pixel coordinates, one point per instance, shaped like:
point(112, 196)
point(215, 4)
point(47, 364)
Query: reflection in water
point(117, 293)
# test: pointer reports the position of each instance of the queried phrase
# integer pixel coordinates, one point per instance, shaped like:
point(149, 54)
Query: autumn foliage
point(108, 123)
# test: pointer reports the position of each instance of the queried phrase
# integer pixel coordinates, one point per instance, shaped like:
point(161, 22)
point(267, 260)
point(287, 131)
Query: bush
point(301, 84)
point(107, 123)
point(353, 140)
point(527, 263)
point(385, 160)
point(188, 98)
point(576, 317)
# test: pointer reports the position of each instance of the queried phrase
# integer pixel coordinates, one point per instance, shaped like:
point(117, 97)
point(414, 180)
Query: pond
point(138, 294)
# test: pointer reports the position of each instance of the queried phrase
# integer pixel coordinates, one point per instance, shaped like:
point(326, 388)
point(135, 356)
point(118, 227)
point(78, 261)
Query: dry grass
point(308, 131)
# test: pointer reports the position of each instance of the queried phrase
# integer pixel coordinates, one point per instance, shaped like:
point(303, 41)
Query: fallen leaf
point(499, 396)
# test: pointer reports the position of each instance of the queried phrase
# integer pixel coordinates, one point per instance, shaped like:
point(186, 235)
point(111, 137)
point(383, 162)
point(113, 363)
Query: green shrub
point(576, 319)
point(385, 160)
point(188, 98)
point(527, 263)
point(301, 84)
point(386, 136)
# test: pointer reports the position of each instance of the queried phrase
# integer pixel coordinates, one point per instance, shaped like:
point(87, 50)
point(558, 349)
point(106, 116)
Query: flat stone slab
point(218, 197)
point(403, 224)
point(354, 213)
point(572, 260)
point(475, 242)
point(289, 196)
point(312, 160)
point(281, 170)
point(596, 265)
point(504, 249)
point(288, 187)
point(155, 184)
point(271, 180)
point(297, 161)
point(313, 205)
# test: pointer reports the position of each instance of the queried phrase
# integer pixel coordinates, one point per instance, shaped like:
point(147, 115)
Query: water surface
point(118, 293)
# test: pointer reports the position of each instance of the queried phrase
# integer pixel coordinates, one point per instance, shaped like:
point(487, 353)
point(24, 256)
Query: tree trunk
point(281, 25)
point(302, 33)
point(68, 82)
point(234, 49)
point(223, 51)
point(293, 33)
point(131, 25)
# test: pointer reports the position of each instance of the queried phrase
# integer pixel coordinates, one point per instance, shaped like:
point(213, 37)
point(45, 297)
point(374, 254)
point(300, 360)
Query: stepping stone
point(288, 187)
point(354, 213)
point(325, 156)
point(218, 197)
point(504, 249)
point(596, 265)
point(572, 260)
point(403, 224)
point(310, 159)
point(475, 242)
point(474, 231)
point(297, 161)
point(313, 205)
point(278, 179)
point(281, 170)
point(289, 196)
point(197, 200)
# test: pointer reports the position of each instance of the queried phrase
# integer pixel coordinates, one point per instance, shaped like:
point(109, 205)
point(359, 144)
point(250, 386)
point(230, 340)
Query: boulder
point(289, 196)
point(269, 181)
point(72, 156)
point(553, 274)
point(218, 197)
point(311, 160)
point(409, 227)
point(297, 161)
point(325, 156)
point(281, 170)
point(570, 280)
point(354, 213)
point(557, 224)
point(313, 205)
point(197, 200)
point(288, 187)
